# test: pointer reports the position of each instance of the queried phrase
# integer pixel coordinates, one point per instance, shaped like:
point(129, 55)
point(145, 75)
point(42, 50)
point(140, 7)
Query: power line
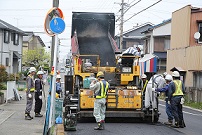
point(142, 10)
point(129, 8)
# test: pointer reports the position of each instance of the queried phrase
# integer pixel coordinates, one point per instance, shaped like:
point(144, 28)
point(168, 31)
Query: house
point(31, 42)
point(185, 50)
point(11, 47)
point(133, 36)
point(157, 42)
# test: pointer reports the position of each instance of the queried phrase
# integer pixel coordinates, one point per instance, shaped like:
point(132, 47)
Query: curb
point(60, 129)
point(185, 106)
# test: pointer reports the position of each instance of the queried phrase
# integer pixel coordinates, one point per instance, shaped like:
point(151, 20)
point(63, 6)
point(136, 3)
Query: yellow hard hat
point(56, 95)
point(100, 73)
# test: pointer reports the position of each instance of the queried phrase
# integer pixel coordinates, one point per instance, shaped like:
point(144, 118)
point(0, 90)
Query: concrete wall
point(180, 27)
point(188, 58)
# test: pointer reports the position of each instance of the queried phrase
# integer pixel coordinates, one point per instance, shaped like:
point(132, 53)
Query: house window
point(6, 36)
point(166, 44)
point(197, 79)
point(200, 31)
point(16, 38)
point(7, 61)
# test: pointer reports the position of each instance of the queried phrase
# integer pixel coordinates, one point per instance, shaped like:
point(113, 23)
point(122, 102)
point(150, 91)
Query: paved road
point(193, 120)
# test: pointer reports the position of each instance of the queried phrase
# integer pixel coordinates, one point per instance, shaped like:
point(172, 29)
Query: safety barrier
point(10, 94)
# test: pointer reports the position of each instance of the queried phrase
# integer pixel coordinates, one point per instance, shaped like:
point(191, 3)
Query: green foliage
point(13, 77)
point(3, 86)
point(1, 93)
point(194, 105)
point(36, 57)
point(20, 89)
point(3, 74)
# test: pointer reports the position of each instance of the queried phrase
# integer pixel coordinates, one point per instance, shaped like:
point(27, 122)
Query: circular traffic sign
point(52, 13)
point(57, 25)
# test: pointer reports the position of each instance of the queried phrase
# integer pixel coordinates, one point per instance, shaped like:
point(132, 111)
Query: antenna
point(197, 35)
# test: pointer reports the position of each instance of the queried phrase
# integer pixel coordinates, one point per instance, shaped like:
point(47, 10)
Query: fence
point(194, 94)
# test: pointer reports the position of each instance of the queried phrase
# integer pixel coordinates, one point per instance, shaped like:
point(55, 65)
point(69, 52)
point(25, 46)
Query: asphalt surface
point(192, 118)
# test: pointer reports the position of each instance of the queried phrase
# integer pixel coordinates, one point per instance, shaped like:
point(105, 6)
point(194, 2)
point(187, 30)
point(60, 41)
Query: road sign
point(57, 25)
point(53, 12)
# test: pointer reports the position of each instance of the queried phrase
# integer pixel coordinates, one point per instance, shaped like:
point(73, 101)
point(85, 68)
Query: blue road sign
point(57, 25)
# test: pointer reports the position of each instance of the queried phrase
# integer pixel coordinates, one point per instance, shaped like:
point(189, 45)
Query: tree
point(36, 57)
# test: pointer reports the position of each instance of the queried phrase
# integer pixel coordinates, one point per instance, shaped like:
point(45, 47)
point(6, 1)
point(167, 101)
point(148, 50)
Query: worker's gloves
point(40, 97)
point(182, 101)
point(29, 95)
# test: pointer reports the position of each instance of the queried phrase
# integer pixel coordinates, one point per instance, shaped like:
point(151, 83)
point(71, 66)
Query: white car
point(62, 70)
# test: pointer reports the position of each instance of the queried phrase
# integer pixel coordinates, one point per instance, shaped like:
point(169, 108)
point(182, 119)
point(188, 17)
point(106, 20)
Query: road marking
point(5, 115)
point(187, 112)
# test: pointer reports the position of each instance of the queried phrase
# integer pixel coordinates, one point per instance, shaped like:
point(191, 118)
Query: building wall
point(180, 27)
point(188, 58)
point(162, 30)
point(8, 49)
point(195, 18)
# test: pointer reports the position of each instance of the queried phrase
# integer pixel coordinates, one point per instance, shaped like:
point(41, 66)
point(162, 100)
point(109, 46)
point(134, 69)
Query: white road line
point(187, 112)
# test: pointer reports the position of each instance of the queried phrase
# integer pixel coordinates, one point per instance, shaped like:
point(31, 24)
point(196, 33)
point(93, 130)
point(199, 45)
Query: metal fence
point(194, 94)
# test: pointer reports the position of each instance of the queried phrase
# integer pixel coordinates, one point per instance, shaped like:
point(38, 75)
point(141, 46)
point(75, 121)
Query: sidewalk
point(12, 119)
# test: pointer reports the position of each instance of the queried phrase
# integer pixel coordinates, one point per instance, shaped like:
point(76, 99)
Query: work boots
point(182, 124)
point(176, 125)
point(38, 115)
point(100, 126)
point(169, 122)
point(28, 117)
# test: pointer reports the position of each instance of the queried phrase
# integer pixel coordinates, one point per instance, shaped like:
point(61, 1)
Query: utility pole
point(53, 60)
point(121, 25)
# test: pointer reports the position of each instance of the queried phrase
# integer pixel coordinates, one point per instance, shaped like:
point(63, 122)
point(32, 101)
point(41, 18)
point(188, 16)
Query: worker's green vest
point(145, 85)
point(104, 86)
point(178, 88)
point(32, 89)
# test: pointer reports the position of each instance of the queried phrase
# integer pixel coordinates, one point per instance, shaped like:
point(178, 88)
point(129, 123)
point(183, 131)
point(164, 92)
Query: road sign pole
point(53, 90)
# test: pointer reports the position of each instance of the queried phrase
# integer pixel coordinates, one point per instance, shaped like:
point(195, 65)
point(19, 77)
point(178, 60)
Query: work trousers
point(38, 102)
point(177, 108)
point(29, 102)
point(169, 110)
point(99, 109)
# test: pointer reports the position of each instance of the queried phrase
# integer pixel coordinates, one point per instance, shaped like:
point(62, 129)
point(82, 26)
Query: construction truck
point(93, 50)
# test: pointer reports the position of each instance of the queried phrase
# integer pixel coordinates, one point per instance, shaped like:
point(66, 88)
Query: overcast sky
point(29, 15)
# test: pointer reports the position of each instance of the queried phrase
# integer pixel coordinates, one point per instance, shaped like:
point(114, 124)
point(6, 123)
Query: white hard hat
point(58, 77)
point(176, 74)
point(143, 76)
point(40, 73)
point(32, 69)
point(165, 73)
point(168, 77)
point(140, 47)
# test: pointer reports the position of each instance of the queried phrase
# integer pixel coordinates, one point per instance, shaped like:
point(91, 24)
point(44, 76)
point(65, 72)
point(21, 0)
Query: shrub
point(13, 77)
point(3, 86)
point(20, 89)
point(1, 93)
point(3, 73)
